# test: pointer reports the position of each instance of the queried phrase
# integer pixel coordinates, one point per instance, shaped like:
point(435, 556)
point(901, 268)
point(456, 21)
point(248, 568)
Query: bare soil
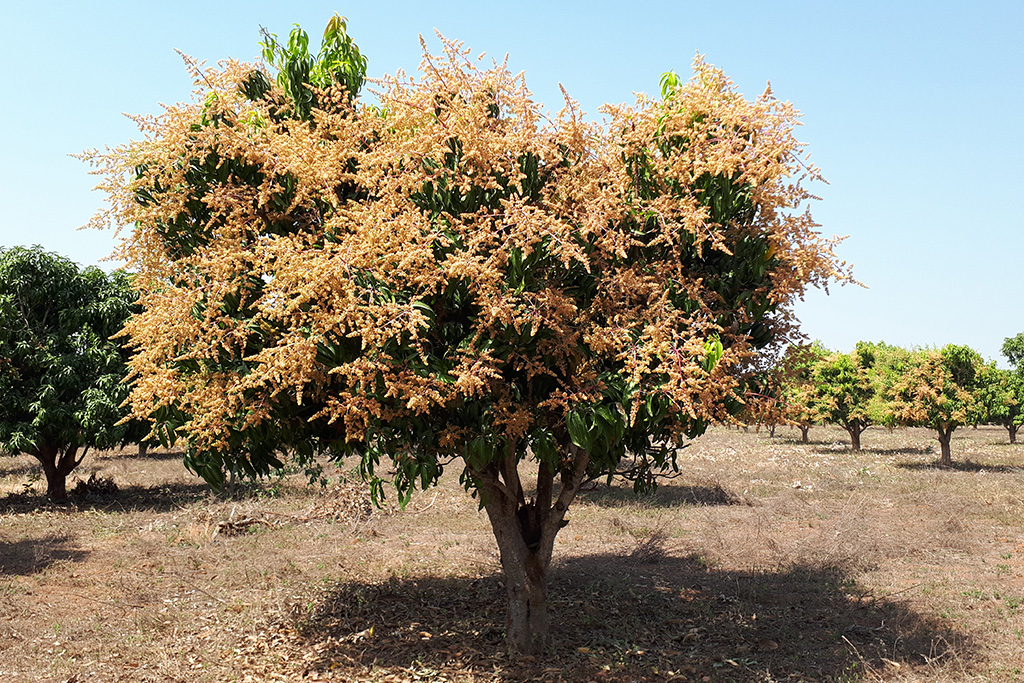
point(767, 560)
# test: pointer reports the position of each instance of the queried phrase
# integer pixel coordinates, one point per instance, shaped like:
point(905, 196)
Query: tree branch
point(545, 481)
point(581, 459)
point(85, 449)
point(488, 480)
point(510, 473)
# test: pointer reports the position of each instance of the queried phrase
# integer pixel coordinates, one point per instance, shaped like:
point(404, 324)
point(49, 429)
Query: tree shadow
point(841, 447)
point(666, 495)
point(835, 447)
point(161, 498)
point(616, 618)
point(21, 468)
point(797, 441)
point(33, 555)
point(962, 466)
point(906, 450)
point(1005, 443)
point(159, 454)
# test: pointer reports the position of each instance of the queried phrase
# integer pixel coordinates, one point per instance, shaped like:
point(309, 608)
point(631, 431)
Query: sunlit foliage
point(447, 274)
point(940, 389)
point(60, 373)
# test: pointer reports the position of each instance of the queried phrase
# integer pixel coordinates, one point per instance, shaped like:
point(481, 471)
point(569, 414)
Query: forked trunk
point(1013, 432)
point(57, 466)
point(525, 532)
point(945, 435)
point(804, 429)
point(855, 428)
point(771, 431)
point(56, 484)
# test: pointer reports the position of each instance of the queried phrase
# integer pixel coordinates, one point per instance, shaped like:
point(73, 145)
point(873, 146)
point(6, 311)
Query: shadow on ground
point(797, 441)
point(962, 466)
point(152, 454)
point(666, 495)
point(616, 619)
point(126, 499)
point(22, 468)
point(33, 555)
point(867, 449)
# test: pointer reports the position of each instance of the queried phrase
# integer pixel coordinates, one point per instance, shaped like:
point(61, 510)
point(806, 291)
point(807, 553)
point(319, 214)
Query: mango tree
point(1013, 349)
point(842, 392)
point(1002, 391)
point(448, 278)
point(940, 389)
point(799, 396)
point(60, 372)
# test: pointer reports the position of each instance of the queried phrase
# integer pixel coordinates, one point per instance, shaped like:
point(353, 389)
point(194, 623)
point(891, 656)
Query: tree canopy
point(1002, 395)
point(842, 391)
point(939, 388)
point(1003, 390)
point(448, 275)
point(799, 391)
point(60, 372)
point(1013, 349)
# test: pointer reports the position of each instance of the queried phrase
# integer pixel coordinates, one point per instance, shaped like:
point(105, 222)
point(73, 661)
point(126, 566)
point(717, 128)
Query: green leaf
point(578, 432)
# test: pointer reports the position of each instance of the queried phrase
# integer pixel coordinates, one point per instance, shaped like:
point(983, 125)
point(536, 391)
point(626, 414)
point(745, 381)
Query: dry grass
point(769, 560)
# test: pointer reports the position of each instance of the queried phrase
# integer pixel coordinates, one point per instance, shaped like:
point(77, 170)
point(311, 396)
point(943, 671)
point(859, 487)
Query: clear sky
point(913, 110)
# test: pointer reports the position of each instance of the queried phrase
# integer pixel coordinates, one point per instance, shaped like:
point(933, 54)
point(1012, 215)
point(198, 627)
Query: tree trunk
point(1013, 432)
point(525, 532)
point(855, 428)
point(143, 449)
point(945, 434)
point(804, 429)
point(57, 466)
point(771, 431)
point(525, 585)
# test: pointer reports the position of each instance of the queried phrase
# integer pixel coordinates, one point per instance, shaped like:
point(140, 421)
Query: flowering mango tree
point(445, 277)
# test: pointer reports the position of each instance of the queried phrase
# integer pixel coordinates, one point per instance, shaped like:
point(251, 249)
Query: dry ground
point(768, 560)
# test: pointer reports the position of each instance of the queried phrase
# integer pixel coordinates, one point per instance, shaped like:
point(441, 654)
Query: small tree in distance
point(1013, 350)
point(60, 372)
point(1002, 393)
point(842, 392)
point(1003, 390)
point(798, 387)
point(940, 389)
point(448, 278)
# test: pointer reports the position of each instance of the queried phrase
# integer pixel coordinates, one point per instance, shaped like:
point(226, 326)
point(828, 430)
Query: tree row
point(889, 386)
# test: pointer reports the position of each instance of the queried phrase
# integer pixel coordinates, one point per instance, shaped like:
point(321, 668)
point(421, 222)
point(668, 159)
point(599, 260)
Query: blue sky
point(913, 110)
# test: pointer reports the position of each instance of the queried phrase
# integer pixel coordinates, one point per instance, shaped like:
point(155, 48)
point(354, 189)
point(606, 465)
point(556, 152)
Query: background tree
point(798, 388)
point(763, 403)
point(450, 277)
point(843, 391)
point(888, 363)
point(1003, 390)
point(60, 373)
point(1002, 394)
point(1013, 349)
point(940, 389)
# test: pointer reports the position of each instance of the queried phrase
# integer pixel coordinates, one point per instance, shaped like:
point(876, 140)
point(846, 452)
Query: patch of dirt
point(768, 560)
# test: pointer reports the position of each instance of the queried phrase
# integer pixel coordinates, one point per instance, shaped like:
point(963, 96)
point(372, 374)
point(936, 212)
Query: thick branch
point(510, 473)
point(570, 487)
point(545, 482)
point(85, 449)
point(487, 480)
